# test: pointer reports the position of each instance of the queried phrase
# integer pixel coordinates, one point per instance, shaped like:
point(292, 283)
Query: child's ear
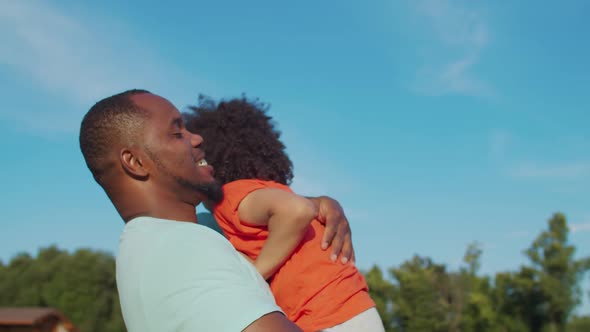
point(134, 162)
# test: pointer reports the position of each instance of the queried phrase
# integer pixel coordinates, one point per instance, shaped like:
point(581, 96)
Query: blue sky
point(435, 123)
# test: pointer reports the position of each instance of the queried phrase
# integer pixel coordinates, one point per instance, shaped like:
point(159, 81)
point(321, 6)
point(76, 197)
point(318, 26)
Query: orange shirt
point(313, 291)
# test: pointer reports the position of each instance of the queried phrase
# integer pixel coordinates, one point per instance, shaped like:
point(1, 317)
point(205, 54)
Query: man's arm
point(272, 322)
point(287, 216)
point(337, 234)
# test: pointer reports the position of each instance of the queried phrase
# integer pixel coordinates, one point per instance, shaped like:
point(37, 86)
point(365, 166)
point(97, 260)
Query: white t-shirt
point(180, 276)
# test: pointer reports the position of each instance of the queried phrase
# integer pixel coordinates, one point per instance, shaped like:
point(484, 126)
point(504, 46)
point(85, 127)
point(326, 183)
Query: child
point(273, 227)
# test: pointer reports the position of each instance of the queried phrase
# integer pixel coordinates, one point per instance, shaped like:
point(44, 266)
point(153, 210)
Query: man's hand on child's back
point(337, 235)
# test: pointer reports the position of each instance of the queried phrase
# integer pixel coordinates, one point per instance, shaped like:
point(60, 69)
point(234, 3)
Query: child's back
point(314, 292)
point(274, 226)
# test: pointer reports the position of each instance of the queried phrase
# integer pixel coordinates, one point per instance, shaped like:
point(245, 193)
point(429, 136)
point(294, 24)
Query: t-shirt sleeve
point(196, 281)
point(235, 192)
point(227, 211)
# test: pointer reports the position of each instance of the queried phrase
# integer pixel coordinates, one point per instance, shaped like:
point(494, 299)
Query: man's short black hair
point(112, 121)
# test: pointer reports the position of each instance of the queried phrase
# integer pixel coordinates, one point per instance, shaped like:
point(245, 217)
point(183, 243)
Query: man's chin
point(212, 192)
point(207, 191)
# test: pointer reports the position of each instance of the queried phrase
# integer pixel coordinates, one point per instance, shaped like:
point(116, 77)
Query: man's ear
point(134, 162)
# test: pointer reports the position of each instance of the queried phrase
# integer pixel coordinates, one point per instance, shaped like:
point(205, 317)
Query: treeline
point(420, 295)
point(82, 285)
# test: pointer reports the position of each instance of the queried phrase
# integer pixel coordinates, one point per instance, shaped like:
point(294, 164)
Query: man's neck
point(153, 205)
point(177, 211)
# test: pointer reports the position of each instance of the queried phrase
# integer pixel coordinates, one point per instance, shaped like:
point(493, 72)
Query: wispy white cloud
point(54, 50)
point(582, 227)
point(459, 35)
point(501, 143)
point(564, 170)
point(74, 58)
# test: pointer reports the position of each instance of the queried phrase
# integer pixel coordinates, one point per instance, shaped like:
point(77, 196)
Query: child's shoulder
point(234, 192)
point(252, 184)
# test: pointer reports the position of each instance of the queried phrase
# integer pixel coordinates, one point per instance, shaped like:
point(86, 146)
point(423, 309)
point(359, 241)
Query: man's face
point(179, 161)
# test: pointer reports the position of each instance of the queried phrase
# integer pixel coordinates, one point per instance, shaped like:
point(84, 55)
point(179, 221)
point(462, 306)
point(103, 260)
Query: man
point(172, 274)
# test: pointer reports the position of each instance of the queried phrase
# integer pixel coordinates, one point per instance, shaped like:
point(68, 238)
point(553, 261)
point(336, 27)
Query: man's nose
point(196, 140)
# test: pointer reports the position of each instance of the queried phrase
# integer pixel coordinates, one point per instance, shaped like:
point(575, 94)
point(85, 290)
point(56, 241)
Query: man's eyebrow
point(177, 122)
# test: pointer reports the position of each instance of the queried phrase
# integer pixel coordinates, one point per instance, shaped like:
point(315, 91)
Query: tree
point(556, 273)
point(541, 297)
point(81, 285)
point(423, 297)
point(579, 324)
point(420, 295)
point(478, 313)
point(381, 291)
point(472, 258)
point(518, 301)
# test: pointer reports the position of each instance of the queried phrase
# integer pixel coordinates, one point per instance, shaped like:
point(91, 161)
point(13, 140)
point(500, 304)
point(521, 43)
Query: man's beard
point(211, 190)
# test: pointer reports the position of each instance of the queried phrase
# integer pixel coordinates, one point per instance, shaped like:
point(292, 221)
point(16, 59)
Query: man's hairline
point(143, 114)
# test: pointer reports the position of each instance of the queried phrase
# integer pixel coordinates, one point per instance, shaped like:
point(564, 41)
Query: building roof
point(26, 316)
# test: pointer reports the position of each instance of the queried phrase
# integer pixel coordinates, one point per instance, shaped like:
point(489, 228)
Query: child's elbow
point(306, 211)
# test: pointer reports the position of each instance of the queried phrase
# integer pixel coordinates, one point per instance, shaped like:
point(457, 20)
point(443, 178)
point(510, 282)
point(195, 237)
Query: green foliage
point(81, 285)
point(478, 312)
point(579, 324)
point(556, 273)
point(425, 297)
point(518, 301)
point(419, 295)
point(540, 297)
point(381, 291)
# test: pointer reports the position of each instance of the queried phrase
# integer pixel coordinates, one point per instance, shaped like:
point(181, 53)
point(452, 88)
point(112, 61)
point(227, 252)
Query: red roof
point(28, 316)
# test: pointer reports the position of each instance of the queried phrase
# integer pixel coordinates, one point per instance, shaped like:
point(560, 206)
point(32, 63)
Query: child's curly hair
point(240, 140)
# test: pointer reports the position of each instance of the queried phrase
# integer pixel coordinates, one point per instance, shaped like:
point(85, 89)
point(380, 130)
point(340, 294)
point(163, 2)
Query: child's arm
point(287, 216)
point(246, 257)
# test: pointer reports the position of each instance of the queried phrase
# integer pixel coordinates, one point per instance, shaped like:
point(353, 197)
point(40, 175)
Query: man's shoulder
point(158, 240)
point(162, 228)
point(190, 278)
